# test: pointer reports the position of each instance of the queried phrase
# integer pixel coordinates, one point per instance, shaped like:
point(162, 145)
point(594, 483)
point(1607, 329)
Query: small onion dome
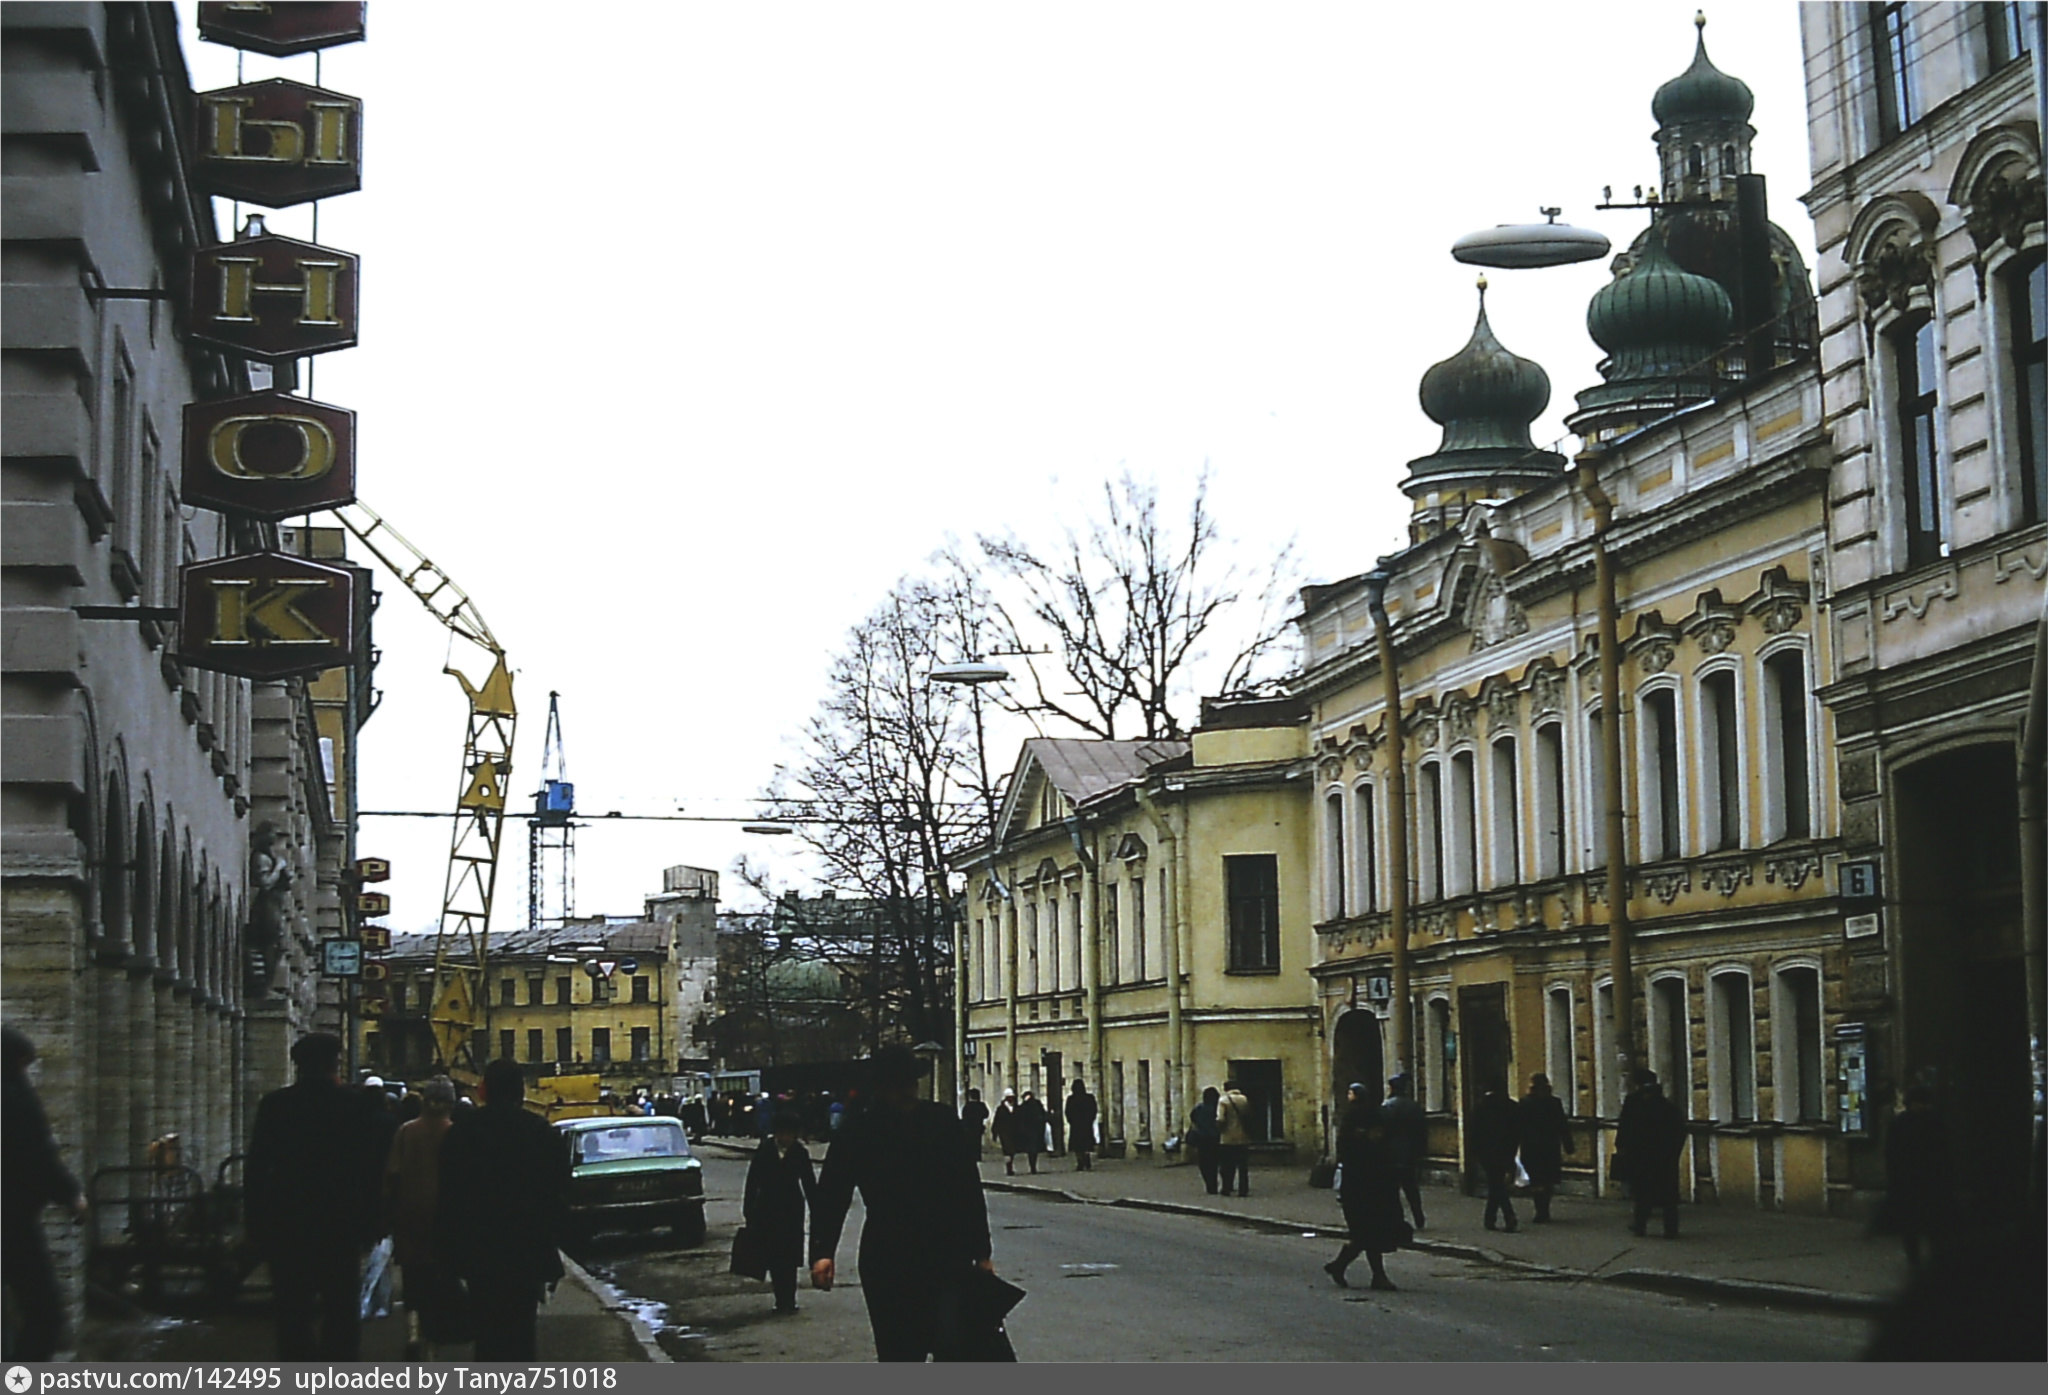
point(1702, 92)
point(1659, 318)
point(1484, 397)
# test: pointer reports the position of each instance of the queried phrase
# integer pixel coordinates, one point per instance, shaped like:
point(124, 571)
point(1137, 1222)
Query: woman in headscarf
point(1370, 1189)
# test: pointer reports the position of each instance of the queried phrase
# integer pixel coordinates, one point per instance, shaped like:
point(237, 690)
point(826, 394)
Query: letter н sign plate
point(274, 298)
point(266, 615)
point(282, 29)
point(268, 455)
point(277, 143)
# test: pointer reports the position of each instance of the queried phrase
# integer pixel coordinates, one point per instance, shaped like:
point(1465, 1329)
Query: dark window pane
point(1253, 890)
point(2029, 301)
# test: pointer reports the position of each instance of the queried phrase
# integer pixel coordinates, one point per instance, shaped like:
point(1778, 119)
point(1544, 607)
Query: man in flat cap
point(927, 1225)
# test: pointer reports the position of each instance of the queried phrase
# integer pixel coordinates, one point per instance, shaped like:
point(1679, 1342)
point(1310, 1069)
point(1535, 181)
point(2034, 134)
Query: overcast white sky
point(688, 328)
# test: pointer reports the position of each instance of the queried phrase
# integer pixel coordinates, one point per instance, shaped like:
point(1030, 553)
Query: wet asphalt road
point(1110, 1284)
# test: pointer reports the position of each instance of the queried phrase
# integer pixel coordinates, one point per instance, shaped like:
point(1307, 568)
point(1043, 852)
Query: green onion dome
point(1659, 319)
point(1485, 397)
point(1702, 92)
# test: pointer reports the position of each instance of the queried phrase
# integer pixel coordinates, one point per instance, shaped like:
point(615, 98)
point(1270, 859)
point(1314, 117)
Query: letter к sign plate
point(268, 455)
point(282, 29)
point(274, 298)
point(266, 615)
point(277, 143)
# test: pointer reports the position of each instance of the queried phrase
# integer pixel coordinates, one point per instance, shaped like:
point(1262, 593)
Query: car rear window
point(628, 1141)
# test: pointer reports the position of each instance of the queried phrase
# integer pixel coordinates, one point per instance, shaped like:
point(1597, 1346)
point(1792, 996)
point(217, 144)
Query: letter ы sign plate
point(268, 455)
point(277, 143)
point(274, 298)
point(281, 29)
point(266, 615)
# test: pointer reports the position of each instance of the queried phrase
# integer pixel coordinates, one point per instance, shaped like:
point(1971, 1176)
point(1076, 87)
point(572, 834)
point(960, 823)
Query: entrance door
point(1056, 1098)
point(1484, 1049)
point(1356, 1055)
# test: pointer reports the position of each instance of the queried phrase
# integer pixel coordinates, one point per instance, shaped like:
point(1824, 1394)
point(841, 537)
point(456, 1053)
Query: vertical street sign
point(277, 143)
point(265, 615)
point(268, 455)
point(274, 298)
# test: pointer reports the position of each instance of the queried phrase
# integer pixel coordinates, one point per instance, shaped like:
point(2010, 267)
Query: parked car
point(633, 1174)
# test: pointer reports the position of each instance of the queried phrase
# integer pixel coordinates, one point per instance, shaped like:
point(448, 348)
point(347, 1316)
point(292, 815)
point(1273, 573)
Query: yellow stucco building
point(1141, 921)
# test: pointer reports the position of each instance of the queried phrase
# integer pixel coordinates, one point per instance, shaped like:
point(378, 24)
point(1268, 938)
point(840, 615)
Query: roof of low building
point(627, 937)
point(1082, 769)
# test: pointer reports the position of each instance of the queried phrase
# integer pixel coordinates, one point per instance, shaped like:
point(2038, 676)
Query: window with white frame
point(1659, 792)
point(1461, 828)
point(2006, 35)
point(1054, 980)
point(1505, 797)
point(1731, 1046)
point(1439, 1082)
point(1671, 1039)
point(1915, 376)
point(1894, 51)
point(1788, 803)
point(1429, 833)
point(1140, 936)
point(1606, 1060)
point(1031, 979)
point(1720, 762)
point(1112, 933)
point(1074, 957)
point(1796, 1044)
point(1366, 845)
point(1595, 835)
point(2025, 289)
point(1334, 855)
point(1559, 1057)
point(1550, 801)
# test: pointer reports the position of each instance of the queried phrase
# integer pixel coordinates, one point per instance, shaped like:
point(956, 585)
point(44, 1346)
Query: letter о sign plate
point(266, 615)
point(269, 455)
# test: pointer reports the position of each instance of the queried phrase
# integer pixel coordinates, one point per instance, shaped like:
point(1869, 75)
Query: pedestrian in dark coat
point(1002, 1126)
point(1492, 1134)
point(1916, 1199)
point(32, 1176)
point(1546, 1138)
point(927, 1225)
point(1205, 1136)
point(504, 1208)
point(1028, 1128)
point(1081, 1116)
point(313, 1187)
point(973, 1123)
point(1410, 1138)
point(1369, 1188)
point(780, 1185)
point(1649, 1138)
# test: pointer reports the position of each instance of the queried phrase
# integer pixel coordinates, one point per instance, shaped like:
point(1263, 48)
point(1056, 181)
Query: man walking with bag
point(1234, 1138)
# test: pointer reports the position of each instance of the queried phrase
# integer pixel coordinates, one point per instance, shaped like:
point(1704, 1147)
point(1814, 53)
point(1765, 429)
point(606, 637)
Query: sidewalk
point(1734, 1254)
point(583, 1321)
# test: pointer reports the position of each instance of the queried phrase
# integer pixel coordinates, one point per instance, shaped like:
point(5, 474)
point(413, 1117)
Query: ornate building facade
point(1695, 517)
point(1928, 208)
point(174, 841)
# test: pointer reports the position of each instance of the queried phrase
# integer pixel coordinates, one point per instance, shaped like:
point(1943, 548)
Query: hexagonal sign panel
point(265, 615)
point(277, 143)
point(282, 29)
point(268, 455)
point(274, 298)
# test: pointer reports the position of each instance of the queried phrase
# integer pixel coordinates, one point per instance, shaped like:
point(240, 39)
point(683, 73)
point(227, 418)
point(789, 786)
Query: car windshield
point(629, 1141)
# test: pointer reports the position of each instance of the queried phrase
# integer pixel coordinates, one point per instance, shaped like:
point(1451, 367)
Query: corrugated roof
point(628, 937)
point(1082, 769)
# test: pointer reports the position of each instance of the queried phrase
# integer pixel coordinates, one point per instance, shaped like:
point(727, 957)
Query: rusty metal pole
point(1397, 822)
point(1620, 949)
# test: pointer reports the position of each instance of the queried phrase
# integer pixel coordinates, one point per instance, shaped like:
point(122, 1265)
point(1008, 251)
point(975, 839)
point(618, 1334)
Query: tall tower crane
point(461, 948)
point(551, 838)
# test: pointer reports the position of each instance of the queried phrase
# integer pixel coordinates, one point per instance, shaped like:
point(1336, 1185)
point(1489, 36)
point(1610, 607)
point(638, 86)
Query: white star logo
point(18, 1379)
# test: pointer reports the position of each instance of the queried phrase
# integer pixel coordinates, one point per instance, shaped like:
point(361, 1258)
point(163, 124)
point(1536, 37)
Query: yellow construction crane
point(462, 946)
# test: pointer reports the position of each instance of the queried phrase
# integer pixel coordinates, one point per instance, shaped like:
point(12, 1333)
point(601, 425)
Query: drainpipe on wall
point(1397, 820)
point(1009, 933)
point(1620, 951)
point(1091, 948)
point(1179, 1079)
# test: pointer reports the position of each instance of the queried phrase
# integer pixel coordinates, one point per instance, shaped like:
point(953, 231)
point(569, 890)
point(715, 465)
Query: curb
point(608, 1299)
point(1751, 1291)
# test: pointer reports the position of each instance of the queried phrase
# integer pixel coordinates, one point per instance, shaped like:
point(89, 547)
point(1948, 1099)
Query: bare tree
point(1130, 606)
point(886, 780)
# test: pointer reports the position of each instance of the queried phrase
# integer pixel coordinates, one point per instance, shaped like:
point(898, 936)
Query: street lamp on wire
point(973, 674)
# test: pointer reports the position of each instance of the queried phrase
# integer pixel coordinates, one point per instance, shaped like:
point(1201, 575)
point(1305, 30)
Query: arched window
point(1916, 375)
point(1505, 799)
point(1366, 849)
point(1461, 832)
point(1334, 856)
point(1560, 1059)
point(1696, 163)
point(1796, 1043)
point(1671, 1039)
point(1731, 1046)
point(1429, 833)
point(1550, 800)
point(1659, 792)
point(1720, 762)
point(1788, 800)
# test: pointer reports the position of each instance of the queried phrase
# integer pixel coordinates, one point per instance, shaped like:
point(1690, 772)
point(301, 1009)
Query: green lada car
point(633, 1174)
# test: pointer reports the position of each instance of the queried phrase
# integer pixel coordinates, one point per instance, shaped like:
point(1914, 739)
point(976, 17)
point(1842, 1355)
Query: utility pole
point(1620, 950)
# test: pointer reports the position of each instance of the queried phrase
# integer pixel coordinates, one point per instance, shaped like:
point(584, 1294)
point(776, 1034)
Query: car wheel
point(689, 1227)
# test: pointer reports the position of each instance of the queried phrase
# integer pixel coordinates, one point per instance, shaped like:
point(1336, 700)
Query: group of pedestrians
point(1219, 1134)
point(475, 1198)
